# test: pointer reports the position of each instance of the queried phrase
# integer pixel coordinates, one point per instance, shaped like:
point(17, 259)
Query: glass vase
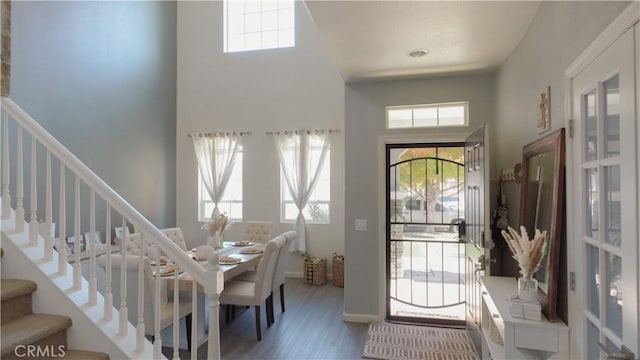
point(215, 241)
point(528, 288)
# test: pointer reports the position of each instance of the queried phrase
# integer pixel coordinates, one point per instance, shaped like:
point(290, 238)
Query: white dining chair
point(257, 231)
point(246, 293)
point(278, 274)
point(134, 241)
point(175, 234)
point(281, 266)
point(166, 305)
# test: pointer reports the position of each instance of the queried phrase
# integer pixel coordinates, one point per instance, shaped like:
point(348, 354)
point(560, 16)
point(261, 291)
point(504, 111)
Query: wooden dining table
point(247, 261)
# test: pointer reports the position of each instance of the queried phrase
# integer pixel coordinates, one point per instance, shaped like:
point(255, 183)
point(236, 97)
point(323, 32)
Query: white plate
point(252, 250)
point(229, 261)
point(243, 243)
point(167, 272)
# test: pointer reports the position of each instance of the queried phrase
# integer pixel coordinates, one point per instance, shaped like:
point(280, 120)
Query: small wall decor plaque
point(544, 110)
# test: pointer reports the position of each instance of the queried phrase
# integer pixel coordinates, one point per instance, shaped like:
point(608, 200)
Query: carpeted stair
point(19, 326)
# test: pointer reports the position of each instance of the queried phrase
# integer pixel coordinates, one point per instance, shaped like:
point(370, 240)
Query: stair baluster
point(108, 295)
point(176, 315)
point(33, 223)
point(140, 330)
point(77, 267)
point(124, 314)
point(91, 246)
point(157, 343)
point(19, 184)
point(6, 195)
point(194, 320)
point(62, 222)
point(48, 236)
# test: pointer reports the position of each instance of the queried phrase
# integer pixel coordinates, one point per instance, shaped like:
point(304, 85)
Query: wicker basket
point(315, 270)
point(338, 270)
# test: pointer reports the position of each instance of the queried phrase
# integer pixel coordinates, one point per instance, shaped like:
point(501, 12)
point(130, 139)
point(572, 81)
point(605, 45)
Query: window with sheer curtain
point(317, 209)
point(231, 202)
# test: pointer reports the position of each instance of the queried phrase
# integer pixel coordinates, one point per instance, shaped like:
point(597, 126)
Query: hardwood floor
point(311, 328)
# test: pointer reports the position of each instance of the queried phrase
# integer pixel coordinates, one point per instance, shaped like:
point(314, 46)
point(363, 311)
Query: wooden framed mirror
point(541, 205)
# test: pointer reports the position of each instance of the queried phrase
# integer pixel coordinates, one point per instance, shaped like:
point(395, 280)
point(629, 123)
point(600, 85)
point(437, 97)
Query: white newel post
point(213, 286)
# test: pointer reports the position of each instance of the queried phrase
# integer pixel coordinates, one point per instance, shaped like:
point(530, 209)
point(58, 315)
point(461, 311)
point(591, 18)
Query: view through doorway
point(425, 253)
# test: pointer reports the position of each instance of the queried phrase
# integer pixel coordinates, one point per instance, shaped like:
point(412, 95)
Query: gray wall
point(557, 35)
point(364, 124)
point(101, 77)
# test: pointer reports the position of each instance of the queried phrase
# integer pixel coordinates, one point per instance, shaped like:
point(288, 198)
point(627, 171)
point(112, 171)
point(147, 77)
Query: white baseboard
point(361, 318)
point(294, 275)
point(298, 275)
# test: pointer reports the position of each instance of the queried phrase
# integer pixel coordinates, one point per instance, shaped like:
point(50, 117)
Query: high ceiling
point(369, 40)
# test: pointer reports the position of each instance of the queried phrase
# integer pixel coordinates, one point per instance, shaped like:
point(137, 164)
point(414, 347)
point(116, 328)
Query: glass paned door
point(606, 208)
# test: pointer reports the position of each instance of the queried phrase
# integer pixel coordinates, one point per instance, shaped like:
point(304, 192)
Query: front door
point(425, 257)
point(476, 165)
point(477, 227)
point(604, 190)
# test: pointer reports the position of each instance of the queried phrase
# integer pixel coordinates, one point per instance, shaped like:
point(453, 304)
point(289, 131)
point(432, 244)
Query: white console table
point(506, 337)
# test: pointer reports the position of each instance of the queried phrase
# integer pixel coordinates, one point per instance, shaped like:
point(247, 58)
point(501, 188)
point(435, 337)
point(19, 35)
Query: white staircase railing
point(104, 200)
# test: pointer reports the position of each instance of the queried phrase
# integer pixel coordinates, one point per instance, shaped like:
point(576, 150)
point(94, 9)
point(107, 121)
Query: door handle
point(625, 353)
point(478, 266)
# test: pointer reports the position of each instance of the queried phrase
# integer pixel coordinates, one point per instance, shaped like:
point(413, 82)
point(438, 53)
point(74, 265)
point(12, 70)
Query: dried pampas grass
point(217, 226)
point(528, 254)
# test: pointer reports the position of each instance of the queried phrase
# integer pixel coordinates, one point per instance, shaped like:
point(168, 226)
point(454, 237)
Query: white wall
point(259, 91)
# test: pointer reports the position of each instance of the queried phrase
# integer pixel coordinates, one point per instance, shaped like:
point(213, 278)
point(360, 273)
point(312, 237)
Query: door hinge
point(571, 128)
point(572, 281)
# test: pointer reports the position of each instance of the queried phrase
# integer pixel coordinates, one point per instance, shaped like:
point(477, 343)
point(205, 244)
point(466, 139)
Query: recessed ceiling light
point(416, 53)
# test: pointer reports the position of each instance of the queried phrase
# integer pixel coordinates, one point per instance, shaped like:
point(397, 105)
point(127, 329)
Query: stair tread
point(31, 328)
point(85, 355)
point(11, 288)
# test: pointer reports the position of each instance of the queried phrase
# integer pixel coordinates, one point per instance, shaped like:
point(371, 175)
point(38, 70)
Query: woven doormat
point(390, 341)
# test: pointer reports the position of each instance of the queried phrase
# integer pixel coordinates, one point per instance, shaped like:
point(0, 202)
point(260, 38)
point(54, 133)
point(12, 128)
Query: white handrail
point(102, 189)
point(210, 277)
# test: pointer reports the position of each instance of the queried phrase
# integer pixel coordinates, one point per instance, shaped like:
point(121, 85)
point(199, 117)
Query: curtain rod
point(221, 133)
point(309, 132)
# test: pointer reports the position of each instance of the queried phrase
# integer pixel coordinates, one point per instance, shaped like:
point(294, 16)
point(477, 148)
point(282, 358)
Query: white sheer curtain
point(301, 163)
point(216, 156)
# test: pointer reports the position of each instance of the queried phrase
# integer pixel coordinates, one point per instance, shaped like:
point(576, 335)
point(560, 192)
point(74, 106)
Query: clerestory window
point(258, 25)
point(429, 115)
